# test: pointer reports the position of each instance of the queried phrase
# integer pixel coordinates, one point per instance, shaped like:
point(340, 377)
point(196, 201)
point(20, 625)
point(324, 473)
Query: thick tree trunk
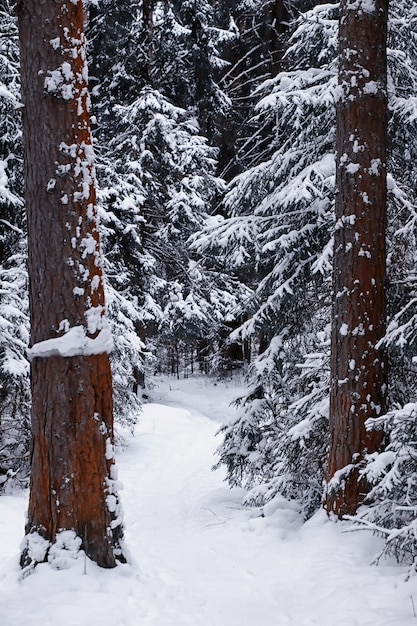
point(73, 476)
point(358, 365)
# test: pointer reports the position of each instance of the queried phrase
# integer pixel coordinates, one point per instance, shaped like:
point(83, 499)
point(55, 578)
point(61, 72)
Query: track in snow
point(200, 558)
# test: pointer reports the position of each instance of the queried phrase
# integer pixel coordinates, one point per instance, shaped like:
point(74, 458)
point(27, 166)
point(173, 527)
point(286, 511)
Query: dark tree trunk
point(358, 365)
point(147, 18)
point(73, 476)
point(255, 55)
point(278, 27)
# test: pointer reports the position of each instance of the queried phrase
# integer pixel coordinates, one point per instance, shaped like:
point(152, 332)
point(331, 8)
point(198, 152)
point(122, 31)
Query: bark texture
point(147, 19)
point(358, 366)
point(73, 484)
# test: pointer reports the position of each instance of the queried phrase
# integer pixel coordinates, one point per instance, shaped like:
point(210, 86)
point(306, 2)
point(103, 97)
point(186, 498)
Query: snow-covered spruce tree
point(402, 185)
point(156, 171)
point(190, 39)
point(281, 227)
point(279, 235)
point(204, 33)
point(116, 73)
point(14, 320)
point(163, 178)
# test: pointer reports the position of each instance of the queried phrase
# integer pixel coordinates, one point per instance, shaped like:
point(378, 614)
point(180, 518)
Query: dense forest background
point(215, 148)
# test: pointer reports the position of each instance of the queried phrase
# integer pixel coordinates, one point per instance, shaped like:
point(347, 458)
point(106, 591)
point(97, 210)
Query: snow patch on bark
point(362, 6)
point(344, 329)
point(65, 550)
point(74, 343)
point(60, 554)
point(36, 547)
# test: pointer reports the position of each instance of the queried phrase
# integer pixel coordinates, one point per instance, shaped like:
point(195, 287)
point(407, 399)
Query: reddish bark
point(358, 366)
point(71, 481)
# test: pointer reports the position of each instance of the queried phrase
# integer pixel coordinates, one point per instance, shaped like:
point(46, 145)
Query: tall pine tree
point(358, 365)
point(73, 500)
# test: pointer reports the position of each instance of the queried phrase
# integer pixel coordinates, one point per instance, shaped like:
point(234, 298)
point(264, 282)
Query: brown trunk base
point(72, 482)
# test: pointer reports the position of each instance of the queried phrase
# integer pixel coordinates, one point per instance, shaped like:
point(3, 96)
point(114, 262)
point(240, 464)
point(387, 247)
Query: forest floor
point(199, 558)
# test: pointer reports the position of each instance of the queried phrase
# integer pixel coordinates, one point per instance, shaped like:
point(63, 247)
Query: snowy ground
point(200, 559)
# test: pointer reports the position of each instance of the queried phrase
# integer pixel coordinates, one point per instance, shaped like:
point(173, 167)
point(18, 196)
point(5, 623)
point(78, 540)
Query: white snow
point(344, 329)
point(367, 6)
point(371, 87)
point(55, 43)
point(352, 168)
point(74, 342)
point(375, 165)
point(199, 557)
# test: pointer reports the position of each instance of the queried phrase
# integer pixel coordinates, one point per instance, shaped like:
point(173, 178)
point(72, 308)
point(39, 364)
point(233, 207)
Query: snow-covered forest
point(254, 185)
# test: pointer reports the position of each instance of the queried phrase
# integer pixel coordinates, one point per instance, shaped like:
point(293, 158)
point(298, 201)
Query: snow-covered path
point(200, 558)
